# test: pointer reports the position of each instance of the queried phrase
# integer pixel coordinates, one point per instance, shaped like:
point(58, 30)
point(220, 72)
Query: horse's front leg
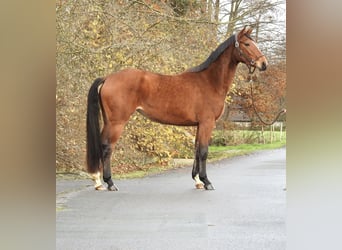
point(204, 134)
point(195, 167)
point(203, 155)
point(195, 171)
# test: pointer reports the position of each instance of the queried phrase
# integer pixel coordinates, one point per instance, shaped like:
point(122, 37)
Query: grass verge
point(221, 152)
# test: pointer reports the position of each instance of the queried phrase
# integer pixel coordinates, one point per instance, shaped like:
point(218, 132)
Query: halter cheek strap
point(237, 45)
point(251, 61)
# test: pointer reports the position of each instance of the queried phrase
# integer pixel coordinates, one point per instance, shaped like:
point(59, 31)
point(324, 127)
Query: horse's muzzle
point(263, 66)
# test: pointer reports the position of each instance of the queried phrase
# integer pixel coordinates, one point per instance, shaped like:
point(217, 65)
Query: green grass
point(221, 152)
point(131, 175)
point(140, 173)
point(248, 147)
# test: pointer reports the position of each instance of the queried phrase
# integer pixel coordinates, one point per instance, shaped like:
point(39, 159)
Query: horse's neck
point(222, 71)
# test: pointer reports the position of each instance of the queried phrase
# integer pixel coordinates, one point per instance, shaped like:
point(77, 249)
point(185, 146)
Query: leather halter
point(251, 62)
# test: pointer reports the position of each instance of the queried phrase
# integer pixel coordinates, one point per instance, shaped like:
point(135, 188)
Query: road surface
point(165, 211)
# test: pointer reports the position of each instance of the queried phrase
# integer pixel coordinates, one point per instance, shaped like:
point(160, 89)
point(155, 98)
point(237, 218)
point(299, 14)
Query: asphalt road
point(164, 211)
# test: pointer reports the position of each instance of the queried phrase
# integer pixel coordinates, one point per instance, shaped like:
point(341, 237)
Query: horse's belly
point(179, 118)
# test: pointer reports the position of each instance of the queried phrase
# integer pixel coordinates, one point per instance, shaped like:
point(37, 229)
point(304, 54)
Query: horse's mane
point(214, 55)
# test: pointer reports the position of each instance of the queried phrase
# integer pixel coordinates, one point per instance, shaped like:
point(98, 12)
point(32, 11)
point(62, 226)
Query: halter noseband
point(250, 61)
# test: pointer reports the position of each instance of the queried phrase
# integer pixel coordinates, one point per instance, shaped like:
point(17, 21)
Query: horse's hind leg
point(107, 173)
point(110, 135)
point(97, 179)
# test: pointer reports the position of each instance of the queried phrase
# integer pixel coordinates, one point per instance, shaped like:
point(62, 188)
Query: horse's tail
point(94, 145)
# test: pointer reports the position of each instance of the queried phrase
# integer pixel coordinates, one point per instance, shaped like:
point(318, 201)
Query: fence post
point(281, 131)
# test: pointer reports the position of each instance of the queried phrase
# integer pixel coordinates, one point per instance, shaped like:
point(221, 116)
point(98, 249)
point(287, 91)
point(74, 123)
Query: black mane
point(214, 55)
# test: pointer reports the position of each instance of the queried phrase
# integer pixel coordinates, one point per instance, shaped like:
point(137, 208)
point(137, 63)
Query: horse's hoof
point(209, 187)
point(100, 188)
point(113, 188)
point(199, 185)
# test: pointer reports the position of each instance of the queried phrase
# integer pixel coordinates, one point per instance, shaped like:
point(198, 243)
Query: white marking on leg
point(198, 183)
point(98, 184)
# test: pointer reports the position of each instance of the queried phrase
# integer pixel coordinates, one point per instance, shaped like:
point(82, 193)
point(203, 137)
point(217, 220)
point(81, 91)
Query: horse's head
point(247, 51)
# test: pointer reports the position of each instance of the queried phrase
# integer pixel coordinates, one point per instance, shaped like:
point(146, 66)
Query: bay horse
point(193, 98)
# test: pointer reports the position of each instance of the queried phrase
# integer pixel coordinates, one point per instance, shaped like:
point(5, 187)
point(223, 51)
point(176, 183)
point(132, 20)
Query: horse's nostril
point(264, 66)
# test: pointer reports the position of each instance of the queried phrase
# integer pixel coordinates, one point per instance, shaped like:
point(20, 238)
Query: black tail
point(94, 146)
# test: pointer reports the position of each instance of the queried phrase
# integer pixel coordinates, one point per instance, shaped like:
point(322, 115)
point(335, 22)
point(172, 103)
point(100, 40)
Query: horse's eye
point(246, 44)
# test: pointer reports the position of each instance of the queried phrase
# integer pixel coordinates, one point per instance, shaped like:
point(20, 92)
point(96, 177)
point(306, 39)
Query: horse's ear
point(249, 30)
point(246, 30)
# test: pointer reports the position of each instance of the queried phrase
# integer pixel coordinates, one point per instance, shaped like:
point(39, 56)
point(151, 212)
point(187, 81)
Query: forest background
point(97, 37)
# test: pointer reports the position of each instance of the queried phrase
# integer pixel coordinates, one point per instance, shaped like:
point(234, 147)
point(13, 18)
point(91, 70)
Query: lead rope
point(256, 112)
